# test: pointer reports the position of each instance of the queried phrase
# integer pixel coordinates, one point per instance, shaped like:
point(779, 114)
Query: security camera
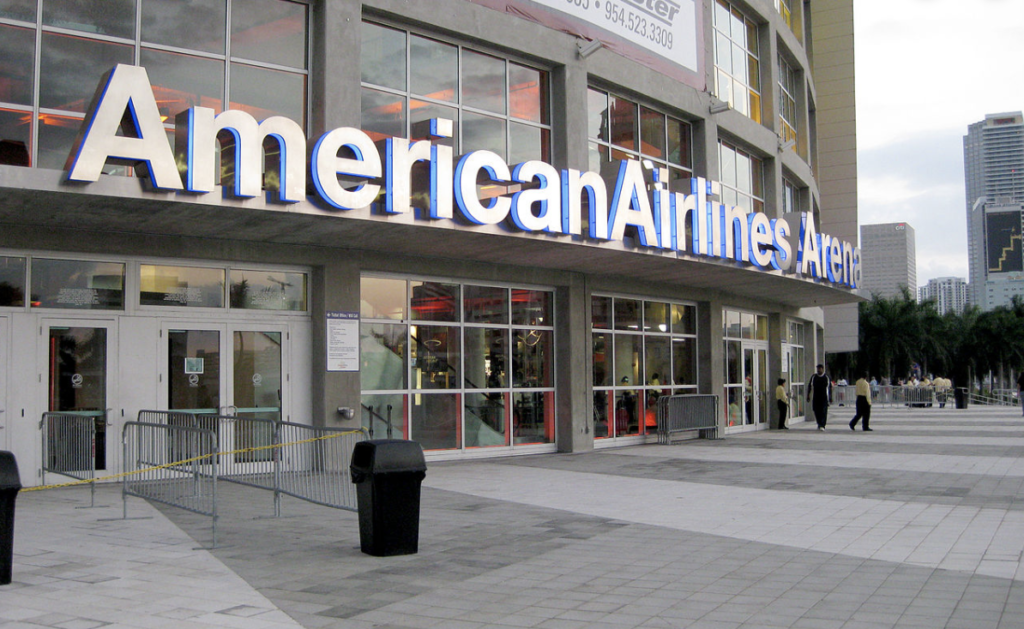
point(585, 48)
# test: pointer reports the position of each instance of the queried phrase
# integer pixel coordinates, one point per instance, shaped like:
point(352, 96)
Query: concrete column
point(711, 352)
point(335, 287)
point(335, 86)
point(574, 382)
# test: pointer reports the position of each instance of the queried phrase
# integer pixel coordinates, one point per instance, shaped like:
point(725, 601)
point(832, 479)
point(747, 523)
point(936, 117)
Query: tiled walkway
point(917, 524)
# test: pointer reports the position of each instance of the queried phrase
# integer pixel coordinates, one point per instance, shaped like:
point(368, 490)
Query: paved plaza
point(919, 524)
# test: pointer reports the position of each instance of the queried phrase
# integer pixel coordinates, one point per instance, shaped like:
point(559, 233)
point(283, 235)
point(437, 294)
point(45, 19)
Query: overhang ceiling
point(39, 198)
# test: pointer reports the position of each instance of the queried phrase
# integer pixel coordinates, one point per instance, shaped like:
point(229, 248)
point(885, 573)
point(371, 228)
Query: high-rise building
point(949, 294)
point(993, 168)
point(889, 257)
point(998, 267)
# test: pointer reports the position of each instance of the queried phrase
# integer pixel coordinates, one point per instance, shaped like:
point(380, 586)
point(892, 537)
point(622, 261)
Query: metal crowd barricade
point(844, 395)
point(314, 464)
point(171, 464)
point(69, 448)
point(684, 413)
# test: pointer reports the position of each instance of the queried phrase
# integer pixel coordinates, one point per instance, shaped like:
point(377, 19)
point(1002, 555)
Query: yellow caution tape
point(183, 461)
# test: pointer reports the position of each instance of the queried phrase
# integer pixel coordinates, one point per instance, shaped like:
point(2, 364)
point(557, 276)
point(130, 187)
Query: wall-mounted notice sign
point(342, 341)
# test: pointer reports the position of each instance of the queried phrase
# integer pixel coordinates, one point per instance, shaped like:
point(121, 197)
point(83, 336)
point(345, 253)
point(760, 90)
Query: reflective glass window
point(436, 356)
point(601, 312)
point(384, 411)
point(434, 301)
point(383, 356)
point(684, 319)
point(17, 72)
point(115, 18)
point(486, 355)
point(627, 314)
point(271, 31)
point(486, 420)
point(383, 114)
point(194, 287)
point(183, 81)
point(531, 307)
point(528, 93)
point(12, 281)
point(657, 316)
point(597, 115)
point(652, 133)
point(382, 298)
point(684, 361)
point(602, 360)
point(622, 114)
point(71, 67)
point(15, 137)
point(421, 112)
point(531, 358)
point(485, 304)
point(434, 420)
point(628, 359)
point(534, 417)
point(483, 82)
point(657, 360)
point(268, 290)
point(481, 132)
point(382, 59)
point(528, 143)
point(737, 62)
point(204, 29)
point(77, 284)
point(24, 10)
point(435, 69)
point(263, 93)
point(56, 137)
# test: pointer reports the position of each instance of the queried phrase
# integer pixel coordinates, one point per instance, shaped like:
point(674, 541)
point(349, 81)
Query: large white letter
point(124, 98)
point(760, 239)
point(810, 252)
point(574, 184)
point(630, 205)
point(782, 257)
point(466, 196)
point(547, 198)
point(326, 165)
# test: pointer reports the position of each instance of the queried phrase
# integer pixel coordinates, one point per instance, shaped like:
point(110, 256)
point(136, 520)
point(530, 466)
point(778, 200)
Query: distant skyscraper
point(998, 263)
point(889, 259)
point(994, 169)
point(949, 294)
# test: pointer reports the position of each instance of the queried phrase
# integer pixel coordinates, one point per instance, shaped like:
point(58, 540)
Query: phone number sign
point(667, 28)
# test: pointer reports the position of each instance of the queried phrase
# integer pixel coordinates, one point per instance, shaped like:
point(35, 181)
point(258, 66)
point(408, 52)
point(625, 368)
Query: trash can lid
point(9, 478)
point(386, 456)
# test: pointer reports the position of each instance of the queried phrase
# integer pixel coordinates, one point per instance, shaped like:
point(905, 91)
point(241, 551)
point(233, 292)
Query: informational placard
point(342, 341)
point(666, 29)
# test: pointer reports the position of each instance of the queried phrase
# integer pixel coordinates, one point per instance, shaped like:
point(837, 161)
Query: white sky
point(925, 70)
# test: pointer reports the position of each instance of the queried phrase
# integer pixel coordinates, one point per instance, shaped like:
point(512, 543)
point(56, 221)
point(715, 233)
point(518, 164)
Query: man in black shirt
point(819, 394)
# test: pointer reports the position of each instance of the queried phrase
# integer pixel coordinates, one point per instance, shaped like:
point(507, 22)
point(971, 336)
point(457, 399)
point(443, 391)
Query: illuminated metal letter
point(466, 196)
point(326, 165)
point(630, 205)
point(574, 184)
point(124, 100)
point(761, 238)
point(547, 197)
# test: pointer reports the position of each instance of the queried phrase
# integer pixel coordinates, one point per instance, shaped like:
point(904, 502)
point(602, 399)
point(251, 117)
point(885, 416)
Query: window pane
point(382, 58)
point(77, 284)
point(723, 52)
point(71, 68)
point(757, 177)
point(435, 356)
point(747, 324)
point(652, 133)
point(657, 360)
point(627, 314)
point(731, 319)
point(531, 307)
point(528, 143)
point(742, 172)
point(17, 50)
point(378, 411)
point(597, 115)
point(270, 31)
point(739, 64)
point(485, 304)
point(656, 316)
point(623, 123)
point(183, 81)
point(733, 354)
point(724, 86)
point(483, 132)
point(383, 356)
point(15, 137)
point(534, 417)
point(532, 358)
point(12, 281)
point(268, 290)
point(486, 358)
point(728, 165)
point(18, 10)
point(684, 319)
point(486, 420)
point(181, 286)
point(250, 92)
point(422, 111)
point(434, 420)
point(383, 115)
point(433, 301)
point(165, 22)
point(483, 82)
point(602, 358)
point(104, 17)
point(601, 312)
point(678, 142)
point(627, 413)
point(528, 94)
point(684, 361)
point(435, 69)
point(628, 358)
point(381, 298)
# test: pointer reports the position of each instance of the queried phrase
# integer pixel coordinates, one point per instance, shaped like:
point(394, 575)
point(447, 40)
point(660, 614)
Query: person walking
point(782, 400)
point(819, 394)
point(1020, 390)
point(863, 404)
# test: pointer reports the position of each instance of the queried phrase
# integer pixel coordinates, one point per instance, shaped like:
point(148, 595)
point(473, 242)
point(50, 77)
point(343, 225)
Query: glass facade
point(788, 84)
point(641, 350)
point(457, 366)
point(620, 128)
point(794, 368)
point(737, 60)
point(745, 335)
point(207, 53)
point(742, 176)
point(497, 104)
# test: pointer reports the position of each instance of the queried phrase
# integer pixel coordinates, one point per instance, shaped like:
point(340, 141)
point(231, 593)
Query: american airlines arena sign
point(548, 201)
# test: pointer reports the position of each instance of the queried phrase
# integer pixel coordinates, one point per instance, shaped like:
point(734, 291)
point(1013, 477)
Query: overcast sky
point(925, 70)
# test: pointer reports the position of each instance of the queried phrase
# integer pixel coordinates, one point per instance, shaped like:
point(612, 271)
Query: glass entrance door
point(194, 370)
point(748, 400)
point(78, 359)
point(256, 374)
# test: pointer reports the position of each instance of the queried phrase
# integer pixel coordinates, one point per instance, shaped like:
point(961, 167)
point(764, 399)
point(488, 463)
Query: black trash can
point(960, 396)
point(10, 485)
point(387, 474)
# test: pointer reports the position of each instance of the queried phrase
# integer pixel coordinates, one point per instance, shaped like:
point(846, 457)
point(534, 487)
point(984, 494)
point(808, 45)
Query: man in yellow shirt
point(863, 404)
point(782, 400)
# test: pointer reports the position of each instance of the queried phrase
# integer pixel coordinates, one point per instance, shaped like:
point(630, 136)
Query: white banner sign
point(342, 341)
